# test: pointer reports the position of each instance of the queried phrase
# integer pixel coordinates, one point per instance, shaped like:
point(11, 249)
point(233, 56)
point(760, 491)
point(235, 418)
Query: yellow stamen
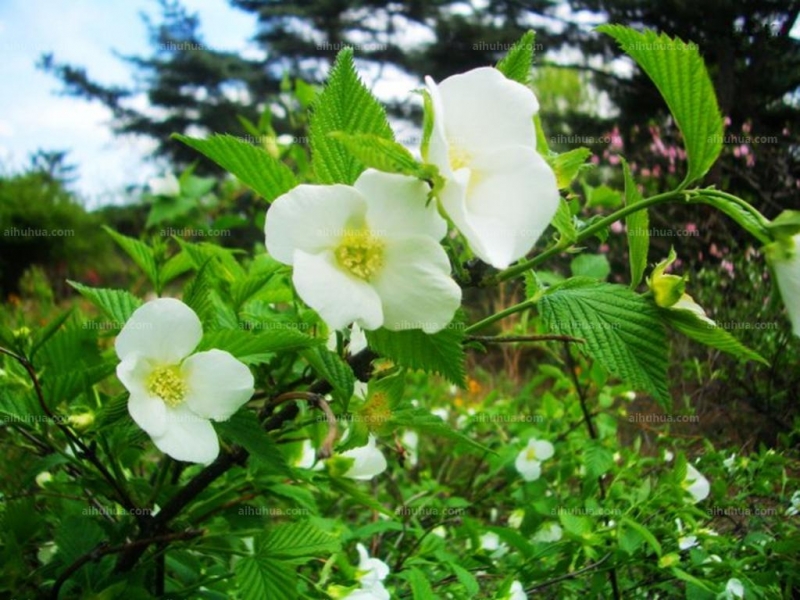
point(459, 158)
point(360, 253)
point(167, 384)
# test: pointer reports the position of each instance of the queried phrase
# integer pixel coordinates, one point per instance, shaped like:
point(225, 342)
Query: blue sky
point(86, 33)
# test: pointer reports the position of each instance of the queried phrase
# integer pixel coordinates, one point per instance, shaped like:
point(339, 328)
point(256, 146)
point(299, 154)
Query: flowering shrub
point(304, 382)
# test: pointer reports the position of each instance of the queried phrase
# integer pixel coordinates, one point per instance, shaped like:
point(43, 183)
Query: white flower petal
point(217, 384)
point(311, 218)
point(369, 461)
point(376, 592)
point(549, 532)
point(415, 287)
point(164, 330)
point(787, 273)
point(308, 456)
point(398, 207)
point(339, 298)
point(188, 437)
point(696, 484)
point(517, 592)
point(373, 570)
point(542, 448)
point(484, 110)
point(511, 197)
point(530, 470)
point(358, 340)
point(148, 412)
point(734, 589)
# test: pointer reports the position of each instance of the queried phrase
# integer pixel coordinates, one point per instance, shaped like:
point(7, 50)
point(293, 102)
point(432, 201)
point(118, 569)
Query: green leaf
point(243, 429)
point(637, 229)
point(67, 385)
point(441, 352)
point(598, 459)
point(622, 330)
point(465, 578)
point(330, 367)
point(693, 326)
point(420, 586)
point(384, 155)
point(678, 71)
point(568, 164)
point(421, 420)
point(175, 267)
point(347, 106)
point(517, 64)
point(140, 252)
point(640, 530)
point(118, 305)
point(595, 266)
point(252, 348)
point(41, 337)
point(564, 223)
point(254, 167)
point(351, 489)
point(259, 576)
point(300, 540)
point(743, 217)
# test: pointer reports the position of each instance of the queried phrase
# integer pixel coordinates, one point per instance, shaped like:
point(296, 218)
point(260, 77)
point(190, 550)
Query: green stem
point(501, 315)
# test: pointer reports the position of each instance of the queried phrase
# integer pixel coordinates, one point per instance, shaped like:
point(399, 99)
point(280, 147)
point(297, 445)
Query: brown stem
point(104, 549)
point(318, 401)
point(508, 339)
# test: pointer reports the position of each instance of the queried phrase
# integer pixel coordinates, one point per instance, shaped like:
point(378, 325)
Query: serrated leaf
point(743, 217)
point(595, 266)
point(40, 337)
point(642, 531)
point(140, 252)
point(331, 368)
point(384, 155)
point(622, 330)
point(260, 577)
point(568, 164)
point(253, 348)
point(441, 352)
point(299, 540)
point(465, 578)
point(598, 459)
point(243, 429)
point(691, 325)
point(679, 73)
point(175, 267)
point(421, 420)
point(65, 386)
point(420, 586)
point(354, 492)
point(118, 305)
point(221, 261)
point(347, 106)
point(637, 229)
point(517, 64)
point(253, 166)
point(564, 222)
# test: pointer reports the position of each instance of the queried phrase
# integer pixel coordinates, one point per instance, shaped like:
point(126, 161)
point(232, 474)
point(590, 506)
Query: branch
point(85, 451)
point(318, 401)
point(572, 575)
point(508, 339)
point(104, 549)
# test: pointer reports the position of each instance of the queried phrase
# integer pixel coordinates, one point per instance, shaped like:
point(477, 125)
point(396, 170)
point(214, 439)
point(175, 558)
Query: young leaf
point(565, 223)
point(743, 217)
point(330, 367)
point(622, 330)
point(595, 266)
point(140, 252)
point(691, 325)
point(678, 71)
point(637, 229)
point(346, 105)
point(384, 154)
point(118, 305)
point(266, 176)
point(568, 164)
point(441, 352)
point(300, 540)
point(517, 64)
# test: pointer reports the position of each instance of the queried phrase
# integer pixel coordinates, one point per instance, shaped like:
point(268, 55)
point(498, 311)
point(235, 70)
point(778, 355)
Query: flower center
point(167, 384)
point(531, 454)
point(459, 158)
point(360, 253)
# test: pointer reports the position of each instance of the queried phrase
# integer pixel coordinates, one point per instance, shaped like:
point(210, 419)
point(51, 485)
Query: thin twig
point(85, 451)
point(317, 400)
point(509, 339)
point(572, 575)
point(104, 549)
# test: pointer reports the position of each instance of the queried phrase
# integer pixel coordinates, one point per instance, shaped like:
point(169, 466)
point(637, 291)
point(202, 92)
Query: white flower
point(308, 457)
point(371, 571)
point(499, 192)
point(410, 439)
point(730, 463)
point(785, 261)
point(685, 542)
point(668, 456)
point(529, 461)
point(549, 532)
point(174, 393)
point(358, 340)
point(491, 543)
point(167, 185)
point(440, 531)
point(696, 484)
point(368, 254)
point(516, 518)
point(442, 413)
point(376, 592)
point(794, 507)
point(734, 589)
point(369, 461)
point(516, 592)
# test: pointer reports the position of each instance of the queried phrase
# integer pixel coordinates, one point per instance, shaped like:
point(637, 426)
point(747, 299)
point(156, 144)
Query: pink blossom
point(691, 227)
point(616, 227)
